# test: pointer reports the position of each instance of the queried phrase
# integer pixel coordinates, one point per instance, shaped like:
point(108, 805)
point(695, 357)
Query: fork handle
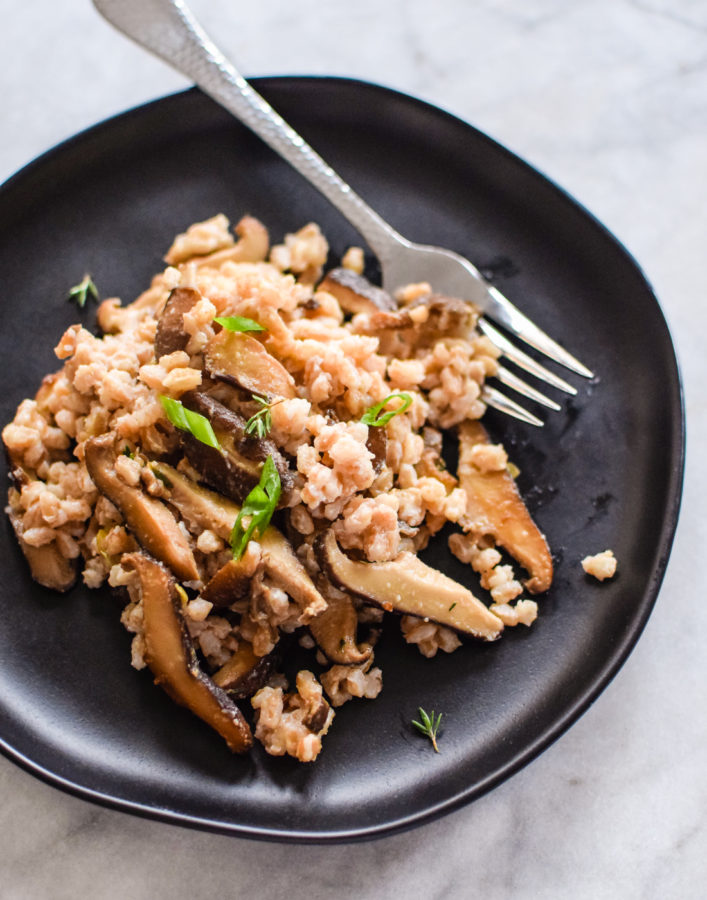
point(168, 29)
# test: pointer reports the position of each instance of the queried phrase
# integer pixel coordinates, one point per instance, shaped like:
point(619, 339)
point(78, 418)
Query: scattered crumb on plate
point(601, 566)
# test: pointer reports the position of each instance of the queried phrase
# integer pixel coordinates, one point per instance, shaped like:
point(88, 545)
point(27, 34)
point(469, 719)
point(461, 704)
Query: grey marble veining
point(609, 98)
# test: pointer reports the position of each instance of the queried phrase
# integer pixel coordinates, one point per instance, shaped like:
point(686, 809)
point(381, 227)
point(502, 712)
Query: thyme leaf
point(261, 423)
point(83, 290)
point(428, 726)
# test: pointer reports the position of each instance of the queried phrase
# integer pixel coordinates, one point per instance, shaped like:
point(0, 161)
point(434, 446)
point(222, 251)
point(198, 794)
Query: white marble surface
point(609, 97)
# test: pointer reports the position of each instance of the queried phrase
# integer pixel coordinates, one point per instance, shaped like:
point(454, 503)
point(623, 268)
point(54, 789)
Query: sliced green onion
point(258, 507)
point(270, 480)
point(190, 421)
point(238, 323)
point(375, 417)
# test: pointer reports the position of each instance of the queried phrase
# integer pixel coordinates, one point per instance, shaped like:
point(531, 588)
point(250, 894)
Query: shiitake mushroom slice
point(170, 335)
point(245, 673)
point(241, 360)
point(406, 585)
point(149, 520)
point(355, 293)
point(202, 508)
point(171, 657)
point(496, 508)
point(233, 470)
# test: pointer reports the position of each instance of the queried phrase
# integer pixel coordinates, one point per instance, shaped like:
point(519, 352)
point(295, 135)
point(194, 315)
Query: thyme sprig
point(261, 423)
point(428, 726)
point(83, 290)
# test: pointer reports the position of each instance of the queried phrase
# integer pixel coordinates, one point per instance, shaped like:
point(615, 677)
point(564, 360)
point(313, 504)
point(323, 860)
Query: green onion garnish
point(190, 421)
point(373, 417)
point(238, 323)
point(259, 506)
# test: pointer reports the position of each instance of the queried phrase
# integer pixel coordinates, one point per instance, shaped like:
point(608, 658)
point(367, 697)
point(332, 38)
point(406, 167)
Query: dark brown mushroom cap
point(171, 657)
point(245, 673)
point(377, 444)
point(235, 469)
point(150, 521)
point(170, 335)
point(230, 583)
point(317, 719)
point(406, 585)
point(355, 293)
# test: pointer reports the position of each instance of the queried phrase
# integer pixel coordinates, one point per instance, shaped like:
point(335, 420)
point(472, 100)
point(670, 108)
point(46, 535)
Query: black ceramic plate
point(606, 472)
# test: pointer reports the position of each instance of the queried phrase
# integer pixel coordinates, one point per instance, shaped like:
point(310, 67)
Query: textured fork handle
point(169, 30)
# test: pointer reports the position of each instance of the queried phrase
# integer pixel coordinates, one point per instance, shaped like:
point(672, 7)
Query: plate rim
point(612, 664)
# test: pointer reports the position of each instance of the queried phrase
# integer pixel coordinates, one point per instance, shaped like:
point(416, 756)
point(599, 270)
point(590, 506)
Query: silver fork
point(169, 30)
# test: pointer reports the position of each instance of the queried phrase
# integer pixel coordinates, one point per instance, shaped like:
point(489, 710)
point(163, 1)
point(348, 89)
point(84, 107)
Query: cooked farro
point(104, 486)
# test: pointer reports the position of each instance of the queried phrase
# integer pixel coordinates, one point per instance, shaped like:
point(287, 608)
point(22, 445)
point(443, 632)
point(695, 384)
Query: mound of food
point(252, 454)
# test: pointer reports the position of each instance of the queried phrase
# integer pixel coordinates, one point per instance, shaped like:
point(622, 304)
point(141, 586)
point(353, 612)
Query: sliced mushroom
point(317, 718)
point(170, 335)
point(151, 522)
point(230, 583)
point(446, 315)
point(48, 565)
point(442, 317)
point(198, 506)
point(377, 444)
point(355, 293)
point(226, 469)
point(240, 359)
point(335, 629)
point(171, 657)
point(406, 585)
point(235, 469)
point(495, 508)
point(202, 508)
point(287, 572)
point(245, 673)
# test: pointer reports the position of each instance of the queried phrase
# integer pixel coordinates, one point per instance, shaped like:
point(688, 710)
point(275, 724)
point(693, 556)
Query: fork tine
point(505, 313)
point(499, 401)
point(511, 380)
point(510, 351)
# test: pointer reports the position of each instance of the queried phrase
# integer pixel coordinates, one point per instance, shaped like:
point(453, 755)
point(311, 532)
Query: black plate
point(606, 472)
